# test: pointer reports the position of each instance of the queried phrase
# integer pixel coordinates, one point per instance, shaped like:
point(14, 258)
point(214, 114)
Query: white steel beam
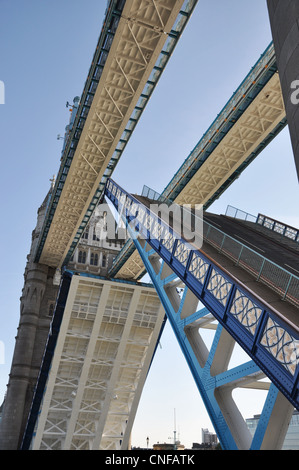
point(141, 33)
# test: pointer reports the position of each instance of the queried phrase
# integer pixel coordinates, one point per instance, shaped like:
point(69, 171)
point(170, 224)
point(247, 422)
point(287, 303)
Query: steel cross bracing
point(137, 39)
point(270, 339)
point(94, 370)
point(246, 125)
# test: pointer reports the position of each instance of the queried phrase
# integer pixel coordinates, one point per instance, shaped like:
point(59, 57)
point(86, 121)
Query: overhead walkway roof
point(136, 41)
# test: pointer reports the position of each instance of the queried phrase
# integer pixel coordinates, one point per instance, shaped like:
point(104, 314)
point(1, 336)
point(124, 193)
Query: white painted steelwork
point(141, 33)
point(256, 123)
point(106, 343)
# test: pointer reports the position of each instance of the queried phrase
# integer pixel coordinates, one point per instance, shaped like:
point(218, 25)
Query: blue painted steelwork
point(263, 333)
point(144, 98)
point(264, 419)
point(275, 276)
point(207, 383)
point(109, 28)
point(47, 359)
point(113, 13)
point(201, 375)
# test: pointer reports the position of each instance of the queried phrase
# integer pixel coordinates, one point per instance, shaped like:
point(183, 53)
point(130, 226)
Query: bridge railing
point(278, 227)
point(236, 213)
point(218, 126)
point(262, 269)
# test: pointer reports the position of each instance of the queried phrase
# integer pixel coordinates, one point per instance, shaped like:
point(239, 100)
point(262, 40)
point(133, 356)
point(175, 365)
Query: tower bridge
point(78, 384)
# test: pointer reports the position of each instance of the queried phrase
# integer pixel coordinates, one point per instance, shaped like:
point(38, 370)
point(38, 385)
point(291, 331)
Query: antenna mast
point(174, 432)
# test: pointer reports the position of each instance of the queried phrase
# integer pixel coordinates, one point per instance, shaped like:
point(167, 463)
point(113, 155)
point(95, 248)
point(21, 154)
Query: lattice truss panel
point(106, 342)
point(138, 41)
point(257, 122)
point(261, 117)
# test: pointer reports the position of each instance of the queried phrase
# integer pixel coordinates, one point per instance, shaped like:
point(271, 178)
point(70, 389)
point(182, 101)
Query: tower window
point(94, 259)
point(82, 257)
point(51, 309)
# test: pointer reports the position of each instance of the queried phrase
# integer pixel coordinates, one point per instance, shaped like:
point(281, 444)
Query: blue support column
point(207, 383)
point(200, 374)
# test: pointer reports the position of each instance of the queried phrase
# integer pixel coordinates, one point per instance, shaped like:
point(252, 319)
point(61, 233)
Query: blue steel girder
point(112, 16)
point(215, 382)
point(262, 333)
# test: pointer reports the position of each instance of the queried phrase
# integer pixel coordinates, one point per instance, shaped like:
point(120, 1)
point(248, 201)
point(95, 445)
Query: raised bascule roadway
point(251, 297)
point(104, 331)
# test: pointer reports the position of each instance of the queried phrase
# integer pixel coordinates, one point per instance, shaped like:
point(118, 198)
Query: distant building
point(208, 438)
point(96, 251)
point(165, 446)
point(291, 441)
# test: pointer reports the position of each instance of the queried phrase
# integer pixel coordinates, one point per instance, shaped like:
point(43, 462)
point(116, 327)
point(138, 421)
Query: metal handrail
point(236, 213)
point(280, 228)
point(266, 271)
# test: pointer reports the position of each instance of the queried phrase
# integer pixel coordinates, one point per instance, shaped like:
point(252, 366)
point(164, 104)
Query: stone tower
point(94, 254)
point(37, 305)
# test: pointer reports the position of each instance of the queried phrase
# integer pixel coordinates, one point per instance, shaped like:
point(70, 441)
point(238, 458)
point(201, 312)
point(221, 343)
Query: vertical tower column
point(38, 292)
point(284, 20)
point(22, 378)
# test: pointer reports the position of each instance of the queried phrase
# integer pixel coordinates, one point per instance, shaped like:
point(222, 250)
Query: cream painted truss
point(142, 31)
point(106, 343)
point(256, 123)
point(251, 129)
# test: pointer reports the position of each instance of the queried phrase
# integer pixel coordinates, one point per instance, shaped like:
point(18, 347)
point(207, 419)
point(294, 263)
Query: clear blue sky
point(45, 53)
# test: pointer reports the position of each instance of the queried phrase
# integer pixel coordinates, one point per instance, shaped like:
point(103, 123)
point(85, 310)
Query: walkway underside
point(109, 113)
